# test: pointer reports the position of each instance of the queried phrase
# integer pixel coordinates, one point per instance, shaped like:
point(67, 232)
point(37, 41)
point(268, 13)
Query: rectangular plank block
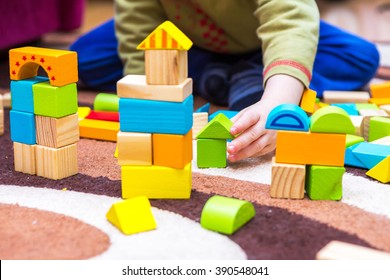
point(103, 116)
point(380, 101)
point(134, 148)
point(24, 158)
point(22, 126)
point(310, 148)
point(381, 90)
point(100, 130)
point(331, 96)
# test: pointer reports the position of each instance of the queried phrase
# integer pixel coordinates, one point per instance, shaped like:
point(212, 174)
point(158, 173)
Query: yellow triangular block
point(132, 215)
point(381, 171)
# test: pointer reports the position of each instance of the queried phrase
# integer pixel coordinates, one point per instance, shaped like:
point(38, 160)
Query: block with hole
point(288, 117)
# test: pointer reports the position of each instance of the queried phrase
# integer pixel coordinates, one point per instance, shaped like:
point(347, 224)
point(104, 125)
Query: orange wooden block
point(308, 100)
point(380, 90)
point(100, 130)
point(172, 150)
point(310, 148)
point(379, 101)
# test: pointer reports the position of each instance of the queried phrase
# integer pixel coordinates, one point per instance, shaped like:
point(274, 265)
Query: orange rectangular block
point(380, 90)
point(379, 101)
point(100, 130)
point(310, 148)
point(308, 100)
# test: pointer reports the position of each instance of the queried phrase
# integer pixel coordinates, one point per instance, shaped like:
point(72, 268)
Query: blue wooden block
point(350, 108)
point(351, 160)
point(150, 116)
point(288, 117)
point(204, 109)
point(22, 127)
point(22, 94)
point(227, 113)
point(371, 154)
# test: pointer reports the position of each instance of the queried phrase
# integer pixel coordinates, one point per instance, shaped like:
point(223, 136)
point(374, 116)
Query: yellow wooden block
point(156, 182)
point(381, 171)
point(135, 86)
point(24, 158)
point(288, 180)
point(56, 133)
point(331, 96)
point(60, 65)
point(83, 112)
point(310, 148)
point(100, 130)
point(56, 163)
point(132, 215)
point(165, 67)
point(380, 90)
point(308, 100)
point(200, 120)
point(380, 101)
point(172, 150)
point(134, 148)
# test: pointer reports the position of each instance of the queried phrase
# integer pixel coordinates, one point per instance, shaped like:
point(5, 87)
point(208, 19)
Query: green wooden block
point(211, 153)
point(324, 182)
point(217, 128)
point(56, 102)
point(331, 119)
point(352, 140)
point(106, 102)
point(364, 106)
point(226, 215)
point(379, 128)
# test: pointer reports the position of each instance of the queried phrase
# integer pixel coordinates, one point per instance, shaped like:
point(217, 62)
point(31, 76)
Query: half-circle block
point(331, 119)
point(226, 215)
point(288, 117)
point(60, 65)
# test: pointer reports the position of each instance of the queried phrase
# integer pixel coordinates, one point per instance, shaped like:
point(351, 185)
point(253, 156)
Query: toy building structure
point(43, 120)
point(156, 118)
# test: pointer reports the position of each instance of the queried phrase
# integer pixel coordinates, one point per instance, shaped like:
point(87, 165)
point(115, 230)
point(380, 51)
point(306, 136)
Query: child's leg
point(98, 61)
point(343, 62)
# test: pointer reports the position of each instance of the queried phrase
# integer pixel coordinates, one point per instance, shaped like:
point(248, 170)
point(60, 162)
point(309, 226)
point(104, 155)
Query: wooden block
point(366, 127)
point(382, 141)
point(288, 117)
point(60, 65)
point(132, 215)
point(337, 250)
point(56, 163)
point(357, 122)
point(211, 153)
point(324, 182)
point(83, 112)
point(56, 102)
point(24, 158)
point(57, 133)
point(331, 96)
point(385, 108)
point(200, 120)
point(310, 148)
point(134, 148)
point(379, 101)
point(106, 102)
point(225, 214)
point(100, 130)
point(350, 158)
point(149, 116)
point(7, 100)
point(308, 100)
point(381, 90)
point(103, 116)
point(352, 140)
point(371, 154)
point(22, 94)
point(156, 182)
point(135, 86)
point(22, 127)
point(381, 171)
point(350, 108)
point(372, 112)
point(331, 119)
point(217, 128)
point(172, 150)
point(288, 180)
point(166, 67)
point(379, 127)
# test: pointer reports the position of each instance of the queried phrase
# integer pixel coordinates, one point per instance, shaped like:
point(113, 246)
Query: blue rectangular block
point(371, 154)
point(22, 94)
point(149, 116)
point(22, 126)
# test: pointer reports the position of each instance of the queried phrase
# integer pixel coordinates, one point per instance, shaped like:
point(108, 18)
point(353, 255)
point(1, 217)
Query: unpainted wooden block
point(24, 158)
point(7, 100)
point(134, 148)
point(357, 122)
point(382, 141)
point(200, 120)
point(372, 112)
point(331, 96)
point(100, 130)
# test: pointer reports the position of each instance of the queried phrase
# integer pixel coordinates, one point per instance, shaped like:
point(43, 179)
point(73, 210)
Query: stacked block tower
point(156, 115)
point(43, 119)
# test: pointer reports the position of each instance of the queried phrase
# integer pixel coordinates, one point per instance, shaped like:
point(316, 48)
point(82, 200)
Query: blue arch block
point(288, 117)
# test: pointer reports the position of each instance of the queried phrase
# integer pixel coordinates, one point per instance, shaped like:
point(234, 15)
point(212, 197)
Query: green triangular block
point(217, 128)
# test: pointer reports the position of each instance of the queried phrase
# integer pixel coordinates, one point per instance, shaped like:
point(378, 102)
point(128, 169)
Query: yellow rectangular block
point(100, 130)
point(166, 67)
point(56, 133)
point(172, 150)
point(24, 158)
point(135, 86)
point(134, 148)
point(379, 101)
point(380, 90)
point(56, 163)
point(200, 120)
point(308, 100)
point(331, 96)
point(310, 148)
point(156, 182)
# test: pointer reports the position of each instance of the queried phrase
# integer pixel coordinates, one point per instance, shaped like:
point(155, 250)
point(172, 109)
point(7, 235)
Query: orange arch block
point(60, 65)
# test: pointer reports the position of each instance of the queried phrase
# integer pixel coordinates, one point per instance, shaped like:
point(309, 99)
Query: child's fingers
point(256, 148)
point(244, 121)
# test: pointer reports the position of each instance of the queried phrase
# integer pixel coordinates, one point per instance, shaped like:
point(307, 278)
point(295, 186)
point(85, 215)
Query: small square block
point(324, 182)
point(134, 148)
point(56, 133)
point(24, 158)
point(22, 127)
point(56, 102)
point(172, 150)
point(211, 153)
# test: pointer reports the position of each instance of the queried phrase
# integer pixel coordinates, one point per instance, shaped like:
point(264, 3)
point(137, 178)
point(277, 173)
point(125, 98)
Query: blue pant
point(343, 61)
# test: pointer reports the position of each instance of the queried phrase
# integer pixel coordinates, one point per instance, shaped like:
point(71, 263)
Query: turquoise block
point(22, 127)
point(351, 160)
point(150, 116)
point(229, 114)
point(204, 109)
point(288, 117)
point(22, 94)
point(350, 108)
point(371, 154)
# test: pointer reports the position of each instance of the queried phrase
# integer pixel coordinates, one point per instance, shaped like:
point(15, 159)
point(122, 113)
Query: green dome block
point(217, 128)
point(226, 215)
point(331, 119)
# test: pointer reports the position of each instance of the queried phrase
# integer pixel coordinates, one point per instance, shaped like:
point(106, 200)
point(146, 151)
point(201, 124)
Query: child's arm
point(254, 139)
